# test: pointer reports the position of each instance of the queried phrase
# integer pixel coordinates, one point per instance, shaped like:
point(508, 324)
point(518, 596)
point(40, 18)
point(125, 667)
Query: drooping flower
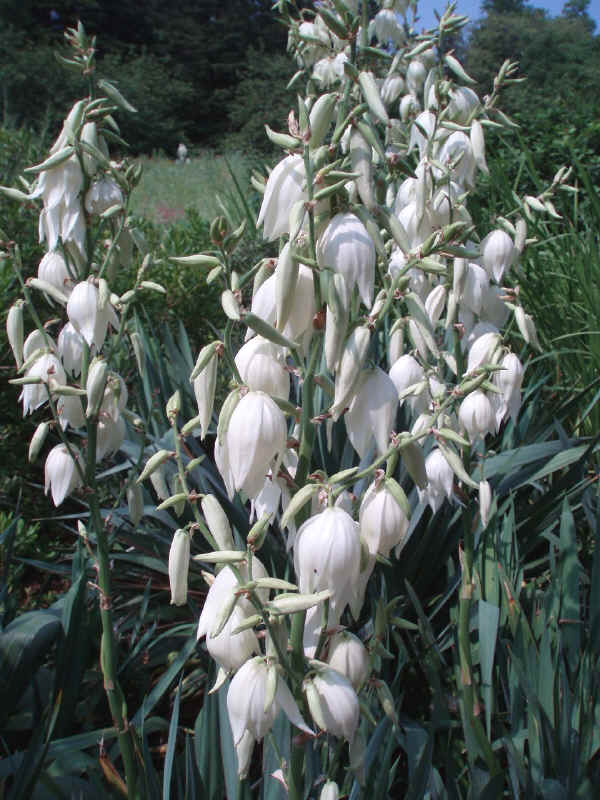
point(346, 247)
point(348, 655)
point(327, 556)
point(50, 371)
point(61, 473)
point(440, 480)
point(407, 373)
point(476, 415)
point(498, 254)
point(285, 186)
point(333, 702)
point(383, 522)
point(70, 348)
point(256, 436)
point(388, 27)
point(372, 412)
point(253, 707)
point(261, 367)
point(103, 194)
point(86, 315)
point(53, 269)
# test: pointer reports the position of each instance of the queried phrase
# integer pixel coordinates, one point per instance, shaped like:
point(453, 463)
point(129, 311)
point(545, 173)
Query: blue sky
point(472, 8)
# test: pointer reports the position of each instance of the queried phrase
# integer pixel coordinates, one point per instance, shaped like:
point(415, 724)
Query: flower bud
point(96, 383)
point(485, 502)
point(135, 502)
point(61, 473)
point(15, 330)
point(37, 441)
point(179, 564)
point(217, 522)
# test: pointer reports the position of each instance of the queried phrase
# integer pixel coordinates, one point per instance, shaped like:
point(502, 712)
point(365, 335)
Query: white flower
point(87, 317)
point(409, 106)
point(457, 154)
point(70, 412)
point(421, 132)
point(440, 480)
point(37, 341)
point(261, 367)
point(415, 76)
point(252, 711)
point(15, 330)
point(179, 564)
point(299, 323)
point(53, 269)
point(463, 102)
point(327, 556)
point(407, 373)
point(388, 27)
point(49, 369)
point(383, 523)
point(475, 288)
point(498, 253)
point(482, 350)
point(285, 186)
point(70, 348)
point(61, 473)
point(348, 655)
point(328, 71)
point(205, 385)
point(476, 415)
point(346, 247)
point(330, 791)
point(435, 302)
point(509, 381)
point(257, 433)
point(333, 703)
point(417, 226)
point(485, 502)
point(110, 435)
point(392, 88)
point(229, 650)
point(103, 194)
point(372, 412)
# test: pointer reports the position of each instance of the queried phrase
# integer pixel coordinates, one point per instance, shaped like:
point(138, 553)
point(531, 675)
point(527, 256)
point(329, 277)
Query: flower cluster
point(380, 322)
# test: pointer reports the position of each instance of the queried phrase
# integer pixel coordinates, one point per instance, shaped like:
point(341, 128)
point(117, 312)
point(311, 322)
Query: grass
point(167, 189)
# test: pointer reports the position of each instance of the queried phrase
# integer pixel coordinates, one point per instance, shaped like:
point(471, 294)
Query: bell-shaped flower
point(482, 350)
point(475, 288)
point(417, 226)
point(110, 435)
point(50, 371)
point(102, 195)
point(332, 702)
point(498, 254)
point(348, 655)
point(257, 434)
point(456, 153)
point(62, 475)
point(37, 340)
point(70, 412)
point(391, 88)
point(440, 480)
point(115, 396)
point(494, 309)
point(86, 316)
point(262, 367)
point(463, 103)
point(476, 415)
point(383, 522)
point(53, 269)
point(230, 650)
point(299, 323)
point(509, 380)
point(388, 27)
point(256, 695)
point(409, 107)
point(435, 302)
point(474, 331)
point(346, 247)
point(286, 185)
point(421, 132)
point(415, 76)
point(372, 412)
point(70, 348)
point(315, 42)
point(327, 556)
point(408, 374)
point(328, 71)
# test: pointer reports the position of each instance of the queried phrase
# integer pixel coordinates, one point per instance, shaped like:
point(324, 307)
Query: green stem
point(108, 650)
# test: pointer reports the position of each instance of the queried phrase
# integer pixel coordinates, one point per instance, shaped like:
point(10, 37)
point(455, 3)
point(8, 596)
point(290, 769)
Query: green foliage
point(258, 100)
